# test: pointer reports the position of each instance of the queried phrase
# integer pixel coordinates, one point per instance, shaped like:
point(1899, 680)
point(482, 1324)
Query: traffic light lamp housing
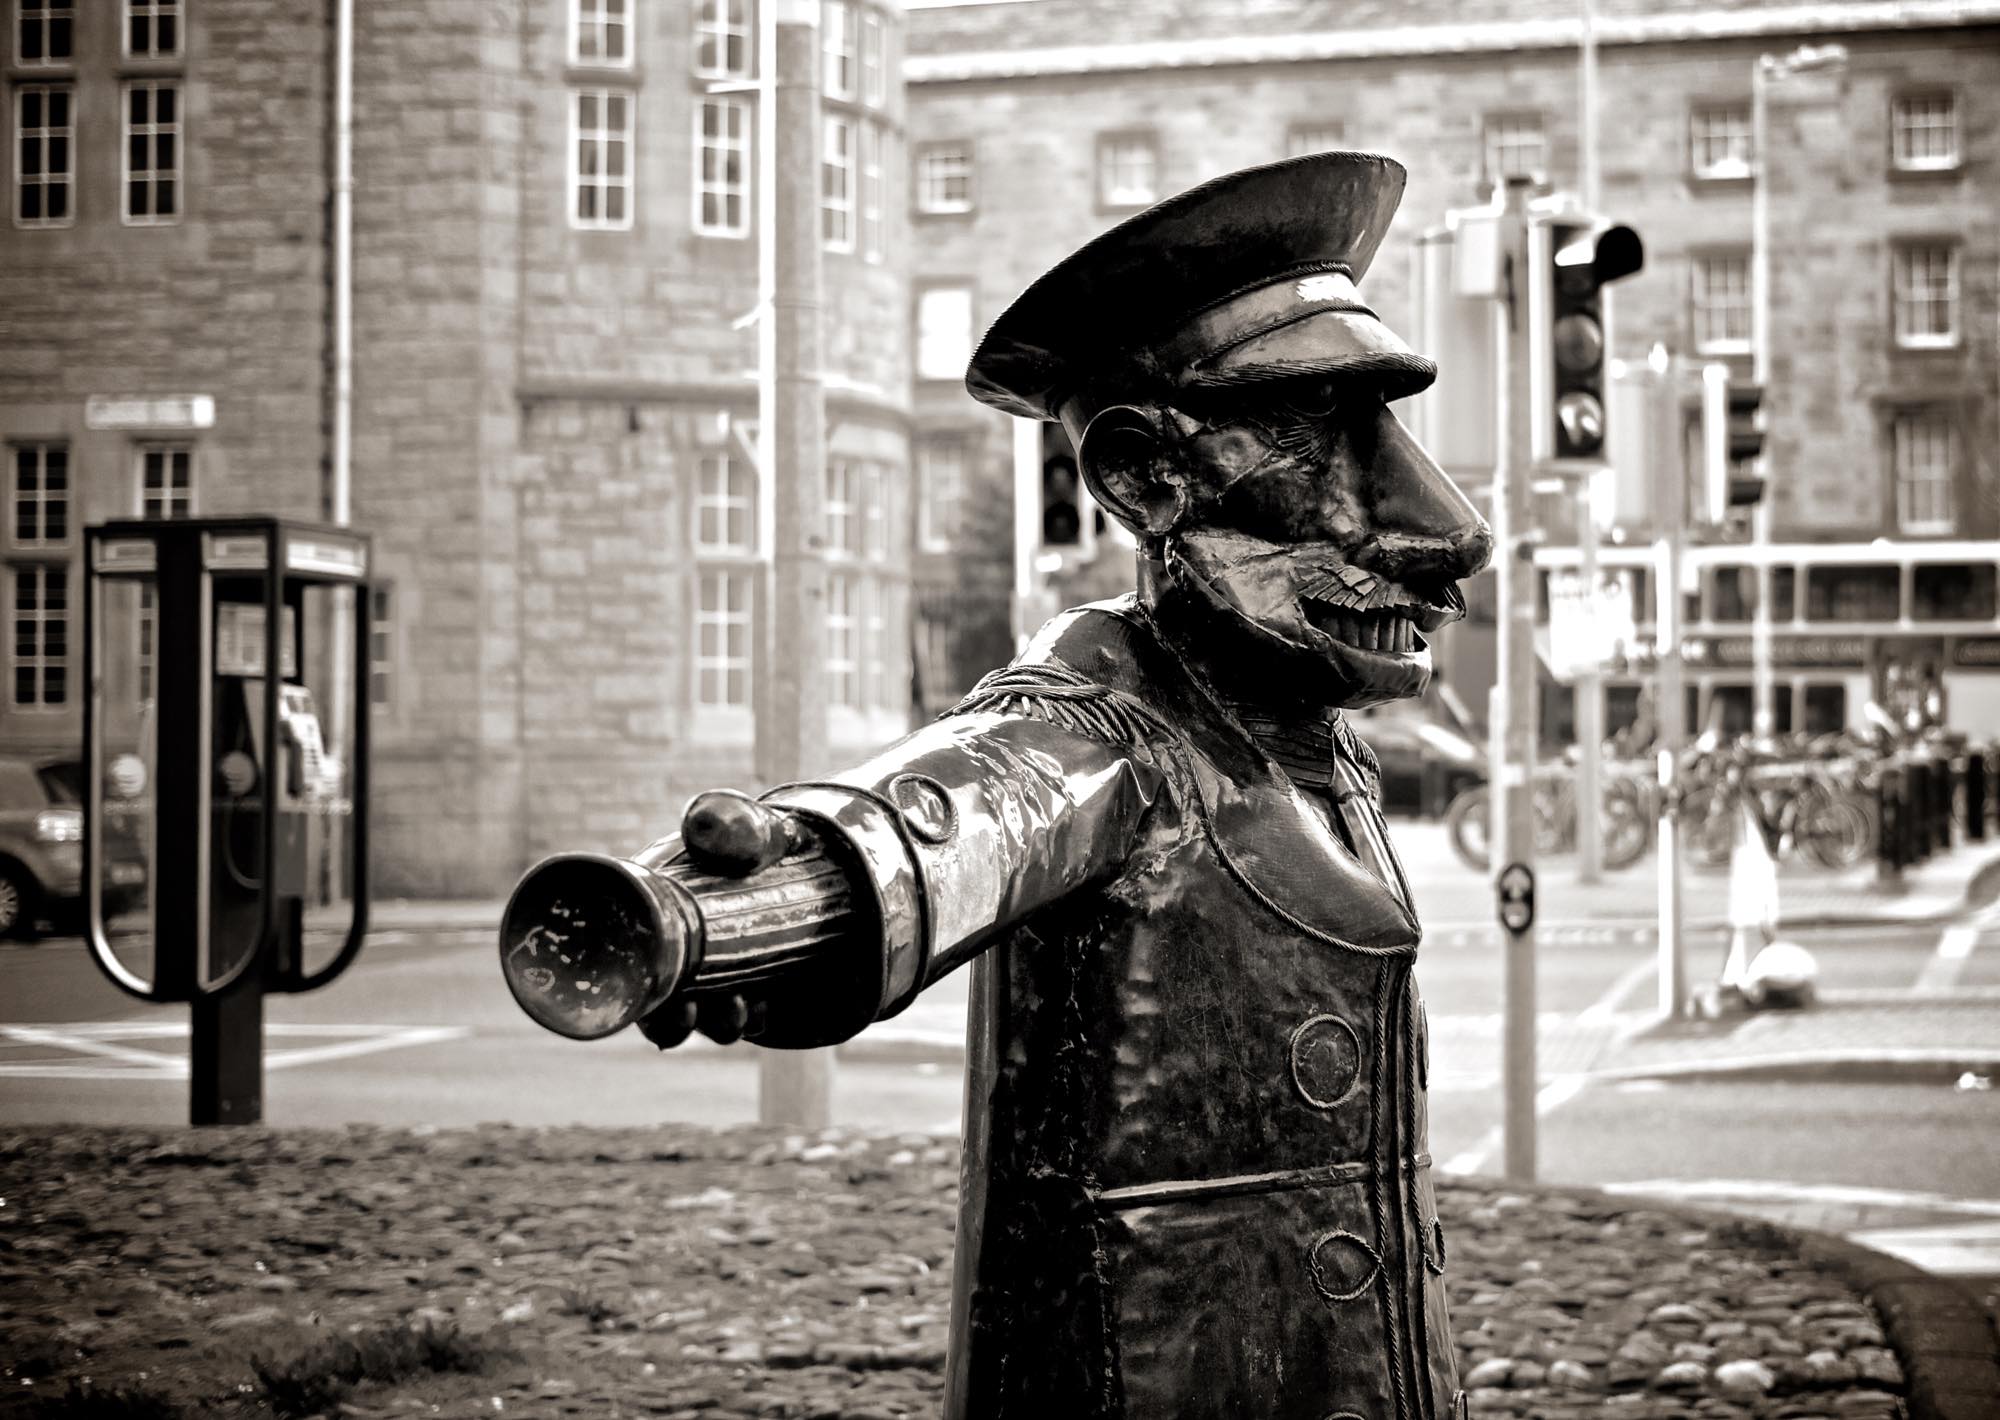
point(1062, 498)
point(1572, 259)
point(1732, 440)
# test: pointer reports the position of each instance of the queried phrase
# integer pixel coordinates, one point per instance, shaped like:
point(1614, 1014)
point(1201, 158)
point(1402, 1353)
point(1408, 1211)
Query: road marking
point(1763, 1190)
point(88, 1041)
point(109, 1058)
point(1947, 1250)
point(1599, 1014)
point(1968, 1246)
point(1605, 1007)
point(1973, 1057)
point(1954, 949)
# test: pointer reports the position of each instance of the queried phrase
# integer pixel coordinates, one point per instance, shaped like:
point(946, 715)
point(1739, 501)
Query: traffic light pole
point(1512, 743)
point(1763, 720)
point(1589, 708)
point(1669, 462)
point(1589, 714)
point(793, 1086)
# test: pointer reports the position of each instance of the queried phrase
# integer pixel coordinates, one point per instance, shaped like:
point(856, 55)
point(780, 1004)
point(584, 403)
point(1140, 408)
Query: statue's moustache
point(1322, 574)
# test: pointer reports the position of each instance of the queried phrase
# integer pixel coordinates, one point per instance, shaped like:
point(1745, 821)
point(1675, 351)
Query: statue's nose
point(1423, 526)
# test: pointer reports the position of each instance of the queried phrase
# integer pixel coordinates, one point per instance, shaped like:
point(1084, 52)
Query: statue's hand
point(724, 1017)
point(731, 835)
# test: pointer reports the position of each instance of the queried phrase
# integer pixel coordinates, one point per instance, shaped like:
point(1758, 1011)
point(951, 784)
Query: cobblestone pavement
point(693, 1273)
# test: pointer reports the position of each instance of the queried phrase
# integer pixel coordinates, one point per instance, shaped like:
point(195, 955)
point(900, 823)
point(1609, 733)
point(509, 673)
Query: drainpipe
point(349, 616)
point(340, 491)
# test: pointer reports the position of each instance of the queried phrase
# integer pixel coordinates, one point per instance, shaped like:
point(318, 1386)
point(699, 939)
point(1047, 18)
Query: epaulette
point(1052, 692)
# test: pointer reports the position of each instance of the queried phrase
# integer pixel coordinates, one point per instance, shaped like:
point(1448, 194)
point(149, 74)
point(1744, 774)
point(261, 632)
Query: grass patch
point(597, 1310)
point(323, 1375)
point(82, 1402)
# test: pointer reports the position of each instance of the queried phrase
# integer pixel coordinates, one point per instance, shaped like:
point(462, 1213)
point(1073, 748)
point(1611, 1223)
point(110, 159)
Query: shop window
point(1825, 709)
point(1837, 592)
point(1962, 591)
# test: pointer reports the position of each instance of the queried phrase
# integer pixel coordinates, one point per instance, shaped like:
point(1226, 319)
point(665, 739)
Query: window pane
point(1955, 592)
point(1856, 593)
point(944, 332)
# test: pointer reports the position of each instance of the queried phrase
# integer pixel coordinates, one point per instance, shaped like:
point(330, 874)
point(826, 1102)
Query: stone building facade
point(1884, 175)
point(554, 391)
point(555, 263)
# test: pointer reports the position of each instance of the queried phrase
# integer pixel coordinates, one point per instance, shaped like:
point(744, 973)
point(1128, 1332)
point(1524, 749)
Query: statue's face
point(1321, 539)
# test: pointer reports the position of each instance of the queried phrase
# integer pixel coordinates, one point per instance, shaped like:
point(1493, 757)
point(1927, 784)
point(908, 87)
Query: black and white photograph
point(1000, 709)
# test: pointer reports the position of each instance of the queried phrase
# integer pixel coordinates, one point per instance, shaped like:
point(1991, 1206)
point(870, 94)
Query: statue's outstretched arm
point(796, 919)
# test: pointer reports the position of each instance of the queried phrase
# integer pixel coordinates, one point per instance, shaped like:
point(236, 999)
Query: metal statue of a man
point(1196, 1178)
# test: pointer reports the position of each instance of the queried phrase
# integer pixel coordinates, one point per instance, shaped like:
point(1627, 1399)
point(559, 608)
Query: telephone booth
point(226, 775)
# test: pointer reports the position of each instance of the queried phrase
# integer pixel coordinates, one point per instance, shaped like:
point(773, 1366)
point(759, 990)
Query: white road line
point(396, 1039)
point(1763, 1190)
point(81, 1043)
point(1605, 1008)
point(1563, 1088)
point(99, 1042)
point(1954, 948)
point(1948, 1250)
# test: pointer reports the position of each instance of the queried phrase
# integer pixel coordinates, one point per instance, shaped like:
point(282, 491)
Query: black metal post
point(226, 1054)
point(1889, 826)
point(1920, 817)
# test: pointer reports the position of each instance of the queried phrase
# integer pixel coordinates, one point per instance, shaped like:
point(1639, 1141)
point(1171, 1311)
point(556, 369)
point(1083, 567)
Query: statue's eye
point(1313, 401)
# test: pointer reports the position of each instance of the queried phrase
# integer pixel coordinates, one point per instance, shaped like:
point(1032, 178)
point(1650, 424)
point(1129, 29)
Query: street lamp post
point(1769, 67)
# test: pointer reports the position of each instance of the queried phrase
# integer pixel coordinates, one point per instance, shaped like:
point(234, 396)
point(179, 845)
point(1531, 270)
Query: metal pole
point(1669, 462)
point(1513, 732)
point(1589, 686)
point(1763, 719)
point(1587, 104)
point(226, 1053)
point(346, 616)
point(794, 1086)
point(1589, 691)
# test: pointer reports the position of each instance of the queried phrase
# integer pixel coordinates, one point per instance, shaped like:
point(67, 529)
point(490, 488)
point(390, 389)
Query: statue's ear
point(1124, 458)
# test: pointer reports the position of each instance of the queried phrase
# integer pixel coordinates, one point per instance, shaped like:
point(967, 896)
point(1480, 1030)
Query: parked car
point(1427, 760)
point(41, 847)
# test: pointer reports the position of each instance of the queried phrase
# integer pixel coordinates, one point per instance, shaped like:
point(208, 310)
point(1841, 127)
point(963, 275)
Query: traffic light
point(1732, 439)
point(1574, 259)
point(1062, 498)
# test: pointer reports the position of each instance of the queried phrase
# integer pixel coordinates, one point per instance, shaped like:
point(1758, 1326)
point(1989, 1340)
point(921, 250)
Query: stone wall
point(438, 144)
point(229, 301)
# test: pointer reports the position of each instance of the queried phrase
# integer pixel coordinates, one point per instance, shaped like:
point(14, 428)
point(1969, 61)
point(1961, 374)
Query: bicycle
point(1623, 824)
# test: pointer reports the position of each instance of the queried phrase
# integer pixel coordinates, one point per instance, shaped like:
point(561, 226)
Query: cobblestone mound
point(748, 1273)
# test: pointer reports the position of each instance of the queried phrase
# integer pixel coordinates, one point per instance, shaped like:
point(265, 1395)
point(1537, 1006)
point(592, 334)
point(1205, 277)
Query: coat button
point(1326, 1061)
point(1341, 1265)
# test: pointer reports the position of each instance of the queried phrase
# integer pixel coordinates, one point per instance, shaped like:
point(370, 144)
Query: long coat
point(1196, 1177)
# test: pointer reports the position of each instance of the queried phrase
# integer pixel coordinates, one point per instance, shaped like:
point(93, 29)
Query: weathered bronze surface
point(1197, 1180)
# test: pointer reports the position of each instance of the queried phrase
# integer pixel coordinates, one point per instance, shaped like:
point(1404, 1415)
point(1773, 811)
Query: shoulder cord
point(1118, 718)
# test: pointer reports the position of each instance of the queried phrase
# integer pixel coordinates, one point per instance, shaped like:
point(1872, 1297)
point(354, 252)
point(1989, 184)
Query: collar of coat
point(1259, 821)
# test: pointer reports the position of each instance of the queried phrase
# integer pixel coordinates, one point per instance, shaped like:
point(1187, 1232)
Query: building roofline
point(1423, 40)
